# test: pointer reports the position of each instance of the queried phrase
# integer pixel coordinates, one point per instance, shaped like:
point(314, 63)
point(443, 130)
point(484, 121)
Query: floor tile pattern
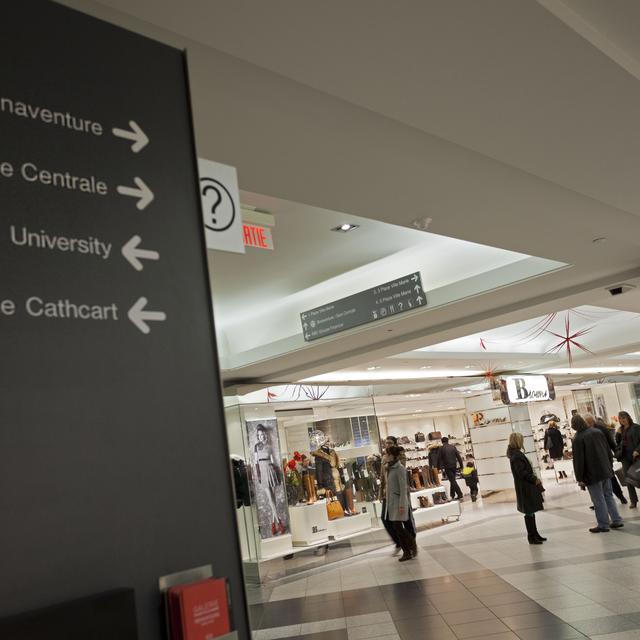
point(476, 579)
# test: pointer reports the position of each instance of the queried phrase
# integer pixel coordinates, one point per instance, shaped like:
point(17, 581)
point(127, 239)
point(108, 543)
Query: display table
point(563, 465)
point(347, 526)
point(415, 495)
point(309, 524)
point(275, 547)
point(438, 512)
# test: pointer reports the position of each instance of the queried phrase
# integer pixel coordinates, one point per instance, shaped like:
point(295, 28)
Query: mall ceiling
point(511, 123)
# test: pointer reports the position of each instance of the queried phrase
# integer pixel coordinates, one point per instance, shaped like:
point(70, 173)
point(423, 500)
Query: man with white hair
point(601, 426)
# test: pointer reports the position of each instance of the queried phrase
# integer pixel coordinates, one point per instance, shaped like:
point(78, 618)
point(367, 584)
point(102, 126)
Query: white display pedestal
point(276, 547)
point(343, 527)
point(437, 512)
point(309, 524)
point(563, 465)
point(415, 495)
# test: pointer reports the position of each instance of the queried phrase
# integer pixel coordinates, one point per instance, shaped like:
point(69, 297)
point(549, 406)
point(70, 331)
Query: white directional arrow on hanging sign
point(418, 289)
point(419, 299)
point(140, 191)
point(131, 252)
point(414, 277)
point(140, 317)
point(139, 137)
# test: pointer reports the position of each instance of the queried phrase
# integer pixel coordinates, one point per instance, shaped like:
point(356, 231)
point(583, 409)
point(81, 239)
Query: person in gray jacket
point(593, 466)
point(398, 505)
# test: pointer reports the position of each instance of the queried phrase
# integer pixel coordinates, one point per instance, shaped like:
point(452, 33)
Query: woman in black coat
point(528, 487)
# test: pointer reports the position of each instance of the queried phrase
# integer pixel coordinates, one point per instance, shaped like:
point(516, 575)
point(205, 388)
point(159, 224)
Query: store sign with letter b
point(526, 388)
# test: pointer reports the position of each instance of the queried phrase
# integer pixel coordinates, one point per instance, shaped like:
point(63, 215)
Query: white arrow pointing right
point(140, 317)
point(140, 191)
point(139, 137)
point(131, 252)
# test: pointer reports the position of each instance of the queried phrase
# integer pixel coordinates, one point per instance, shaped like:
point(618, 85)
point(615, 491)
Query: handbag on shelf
point(420, 437)
point(425, 503)
point(435, 435)
point(334, 508)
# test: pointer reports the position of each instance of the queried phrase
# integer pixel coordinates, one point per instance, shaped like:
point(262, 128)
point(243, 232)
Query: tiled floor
point(475, 579)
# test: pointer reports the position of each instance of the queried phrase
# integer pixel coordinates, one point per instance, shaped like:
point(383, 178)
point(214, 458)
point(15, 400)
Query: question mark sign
point(216, 202)
point(220, 203)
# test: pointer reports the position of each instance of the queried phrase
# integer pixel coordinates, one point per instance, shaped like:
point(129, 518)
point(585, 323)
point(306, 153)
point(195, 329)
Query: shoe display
point(598, 530)
point(273, 528)
point(281, 528)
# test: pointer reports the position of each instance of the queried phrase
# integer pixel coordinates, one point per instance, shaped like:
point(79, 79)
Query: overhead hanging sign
point(526, 388)
point(388, 299)
point(220, 206)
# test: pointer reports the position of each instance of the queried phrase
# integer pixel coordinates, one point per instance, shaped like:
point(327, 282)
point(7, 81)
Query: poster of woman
point(270, 495)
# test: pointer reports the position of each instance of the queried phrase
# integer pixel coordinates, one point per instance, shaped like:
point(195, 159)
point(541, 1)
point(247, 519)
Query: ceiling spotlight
point(374, 368)
point(346, 227)
point(426, 367)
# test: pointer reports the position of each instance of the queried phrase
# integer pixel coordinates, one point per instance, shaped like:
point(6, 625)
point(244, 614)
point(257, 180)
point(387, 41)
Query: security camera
point(619, 289)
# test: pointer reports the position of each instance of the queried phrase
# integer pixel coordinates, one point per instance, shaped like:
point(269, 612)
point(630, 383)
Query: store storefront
point(289, 453)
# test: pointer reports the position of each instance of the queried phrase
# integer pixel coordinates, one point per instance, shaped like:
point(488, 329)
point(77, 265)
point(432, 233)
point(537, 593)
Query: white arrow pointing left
point(140, 191)
point(139, 137)
point(131, 252)
point(139, 316)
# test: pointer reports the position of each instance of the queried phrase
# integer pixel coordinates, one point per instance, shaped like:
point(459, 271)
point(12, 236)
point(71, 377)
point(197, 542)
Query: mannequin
point(328, 472)
point(240, 481)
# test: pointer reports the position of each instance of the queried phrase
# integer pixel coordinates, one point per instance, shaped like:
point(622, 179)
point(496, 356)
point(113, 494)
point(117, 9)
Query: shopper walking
point(593, 468)
point(398, 504)
point(610, 437)
point(629, 450)
point(470, 475)
point(528, 487)
point(450, 461)
point(554, 443)
point(409, 524)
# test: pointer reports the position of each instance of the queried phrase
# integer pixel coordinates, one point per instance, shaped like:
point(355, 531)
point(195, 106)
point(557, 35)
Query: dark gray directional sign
point(385, 300)
point(113, 454)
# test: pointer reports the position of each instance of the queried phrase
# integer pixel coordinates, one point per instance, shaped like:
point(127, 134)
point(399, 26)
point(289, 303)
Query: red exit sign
point(257, 236)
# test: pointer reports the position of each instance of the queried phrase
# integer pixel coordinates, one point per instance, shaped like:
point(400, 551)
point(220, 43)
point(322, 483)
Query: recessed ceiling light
point(346, 227)
point(467, 366)
point(374, 368)
point(426, 367)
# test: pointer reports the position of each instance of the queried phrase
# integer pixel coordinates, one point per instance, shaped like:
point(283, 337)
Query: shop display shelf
point(437, 512)
point(415, 495)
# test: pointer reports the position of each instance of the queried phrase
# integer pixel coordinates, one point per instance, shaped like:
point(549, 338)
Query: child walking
point(470, 475)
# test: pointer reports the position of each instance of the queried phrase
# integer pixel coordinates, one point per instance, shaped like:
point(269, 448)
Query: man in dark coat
point(609, 434)
point(593, 467)
point(450, 461)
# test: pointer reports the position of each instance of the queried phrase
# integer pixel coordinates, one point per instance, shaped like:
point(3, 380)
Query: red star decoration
point(568, 340)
